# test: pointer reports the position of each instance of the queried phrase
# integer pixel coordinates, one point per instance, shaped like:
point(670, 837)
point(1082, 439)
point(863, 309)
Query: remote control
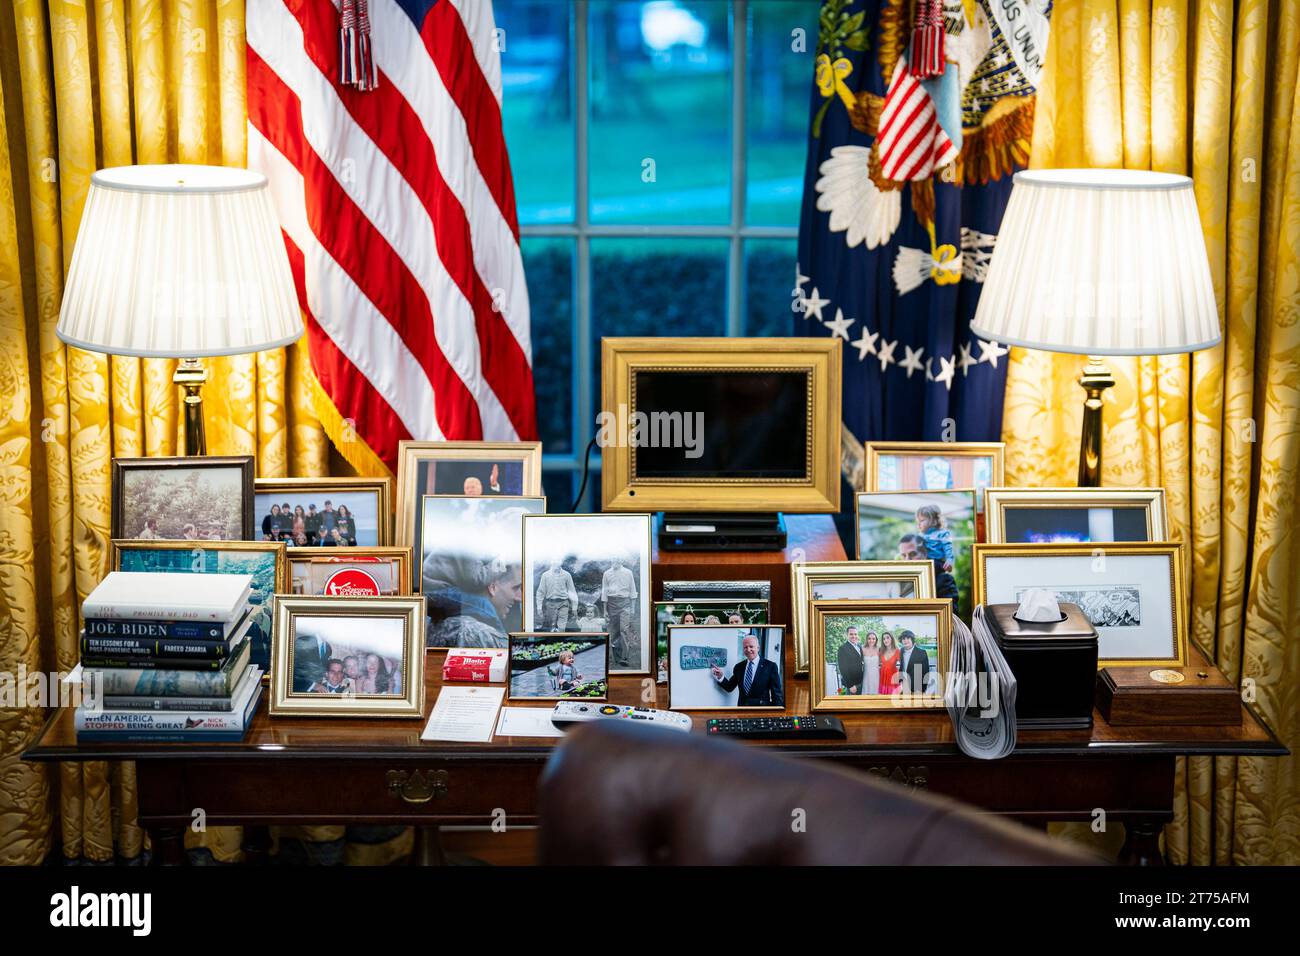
point(816, 727)
point(569, 712)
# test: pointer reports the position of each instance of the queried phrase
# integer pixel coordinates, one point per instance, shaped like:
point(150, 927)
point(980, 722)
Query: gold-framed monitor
point(720, 424)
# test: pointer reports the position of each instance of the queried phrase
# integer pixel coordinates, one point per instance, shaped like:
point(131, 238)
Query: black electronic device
point(720, 531)
point(808, 727)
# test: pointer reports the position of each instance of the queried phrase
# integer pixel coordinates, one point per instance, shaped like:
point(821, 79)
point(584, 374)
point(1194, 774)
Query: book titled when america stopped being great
point(167, 596)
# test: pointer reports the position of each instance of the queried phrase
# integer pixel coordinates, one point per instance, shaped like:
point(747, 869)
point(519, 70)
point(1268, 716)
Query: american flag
point(398, 212)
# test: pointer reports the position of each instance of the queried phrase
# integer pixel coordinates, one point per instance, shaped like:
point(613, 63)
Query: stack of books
point(164, 657)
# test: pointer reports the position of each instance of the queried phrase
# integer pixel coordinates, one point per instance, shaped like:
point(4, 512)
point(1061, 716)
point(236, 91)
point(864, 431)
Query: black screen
point(742, 424)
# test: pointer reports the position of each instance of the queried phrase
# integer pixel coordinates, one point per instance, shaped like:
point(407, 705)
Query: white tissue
point(1038, 605)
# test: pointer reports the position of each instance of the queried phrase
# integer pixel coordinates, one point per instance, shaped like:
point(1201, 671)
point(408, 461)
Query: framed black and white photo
point(469, 567)
point(726, 667)
point(324, 512)
point(588, 573)
point(348, 657)
point(196, 498)
point(1073, 515)
point(551, 666)
point(1133, 593)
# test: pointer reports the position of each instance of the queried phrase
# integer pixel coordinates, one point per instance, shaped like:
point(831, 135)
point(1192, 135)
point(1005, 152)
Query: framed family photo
point(933, 466)
point(934, 526)
point(266, 561)
point(470, 469)
point(724, 667)
point(348, 657)
point(709, 611)
point(877, 655)
point(350, 572)
point(325, 512)
point(196, 498)
point(1132, 592)
point(1072, 515)
point(857, 580)
point(571, 666)
point(470, 560)
point(591, 572)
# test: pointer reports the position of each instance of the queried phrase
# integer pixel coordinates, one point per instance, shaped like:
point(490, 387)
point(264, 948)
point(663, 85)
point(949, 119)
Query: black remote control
point(813, 727)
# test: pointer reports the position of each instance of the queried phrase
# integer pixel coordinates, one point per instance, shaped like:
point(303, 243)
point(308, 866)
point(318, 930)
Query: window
point(658, 149)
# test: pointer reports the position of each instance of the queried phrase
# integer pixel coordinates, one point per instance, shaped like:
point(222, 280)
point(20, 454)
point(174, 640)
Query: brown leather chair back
point(620, 794)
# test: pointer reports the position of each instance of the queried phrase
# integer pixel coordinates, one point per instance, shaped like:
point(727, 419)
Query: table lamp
point(1099, 262)
point(179, 261)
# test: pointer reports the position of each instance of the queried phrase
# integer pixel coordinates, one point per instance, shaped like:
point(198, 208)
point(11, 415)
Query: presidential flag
point(922, 110)
point(378, 124)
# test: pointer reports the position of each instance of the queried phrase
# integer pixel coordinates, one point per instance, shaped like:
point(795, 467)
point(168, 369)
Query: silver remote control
point(568, 712)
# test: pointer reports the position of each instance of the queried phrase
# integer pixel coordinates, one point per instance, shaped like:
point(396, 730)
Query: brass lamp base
point(1096, 378)
point(191, 375)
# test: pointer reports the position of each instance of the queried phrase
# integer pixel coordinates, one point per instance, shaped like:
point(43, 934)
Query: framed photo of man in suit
point(726, 667)
point(873, 655)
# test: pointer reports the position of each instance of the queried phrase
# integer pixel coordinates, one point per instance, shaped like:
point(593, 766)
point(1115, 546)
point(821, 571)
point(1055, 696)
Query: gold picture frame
point(804, 576)
point(520, 637)
point(411, 455)
point(998, 501)
point(824, 612)
point(310, 556)
point(818, 490)
point(873, 451)
point(262, 631)
point(382, 488)
point(1098, 559)
point(286, 698)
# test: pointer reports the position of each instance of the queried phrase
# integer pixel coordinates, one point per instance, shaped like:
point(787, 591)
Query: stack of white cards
point(981, 691)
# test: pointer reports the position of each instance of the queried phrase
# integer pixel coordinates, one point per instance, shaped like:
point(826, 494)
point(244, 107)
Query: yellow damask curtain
point(88, 84)
point(1206, 89)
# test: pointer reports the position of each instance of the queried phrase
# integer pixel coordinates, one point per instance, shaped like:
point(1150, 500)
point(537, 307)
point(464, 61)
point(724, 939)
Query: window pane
point(769, 286)
point(655, 287)
point(779, 72)
point(660, 103)
point(537, 106)
point(548, 268)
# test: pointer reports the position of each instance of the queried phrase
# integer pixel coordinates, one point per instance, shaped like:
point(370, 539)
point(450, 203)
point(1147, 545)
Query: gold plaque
point(1167, 676)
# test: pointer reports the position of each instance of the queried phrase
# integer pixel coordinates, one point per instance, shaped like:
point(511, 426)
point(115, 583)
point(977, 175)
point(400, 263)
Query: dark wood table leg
point(1141, 844)
point(428, 847)
point(168, 844)
point(256, 845)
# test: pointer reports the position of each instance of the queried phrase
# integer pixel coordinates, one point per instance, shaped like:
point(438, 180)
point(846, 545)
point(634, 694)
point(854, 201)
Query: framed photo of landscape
point(1133, 592)
point(324, 512)
point(348, 657)
point(266, 561)
point(1074, 515)
point(858, 580)
point(186, 498)
point(879, 655)
point(553, 666)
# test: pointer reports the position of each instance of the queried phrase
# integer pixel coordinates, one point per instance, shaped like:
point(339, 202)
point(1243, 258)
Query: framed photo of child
point(933, 466)
point(934, 526)
point(559, 666)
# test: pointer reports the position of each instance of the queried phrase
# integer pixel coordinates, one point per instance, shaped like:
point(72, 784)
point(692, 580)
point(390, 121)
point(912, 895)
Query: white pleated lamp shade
point(179, 261)
point(1099, 262)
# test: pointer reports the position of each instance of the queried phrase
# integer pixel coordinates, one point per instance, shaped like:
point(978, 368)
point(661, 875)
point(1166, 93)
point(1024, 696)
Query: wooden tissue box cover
point(1196, 694)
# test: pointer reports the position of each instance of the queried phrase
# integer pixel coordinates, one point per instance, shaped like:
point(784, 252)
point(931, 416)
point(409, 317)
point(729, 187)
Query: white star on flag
point(990, 351)
point(812, 305)
point(965, 361)
point(947, 367)
point(886, 352)
point(867, 344)
point(839, 325)
point(912, 360)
